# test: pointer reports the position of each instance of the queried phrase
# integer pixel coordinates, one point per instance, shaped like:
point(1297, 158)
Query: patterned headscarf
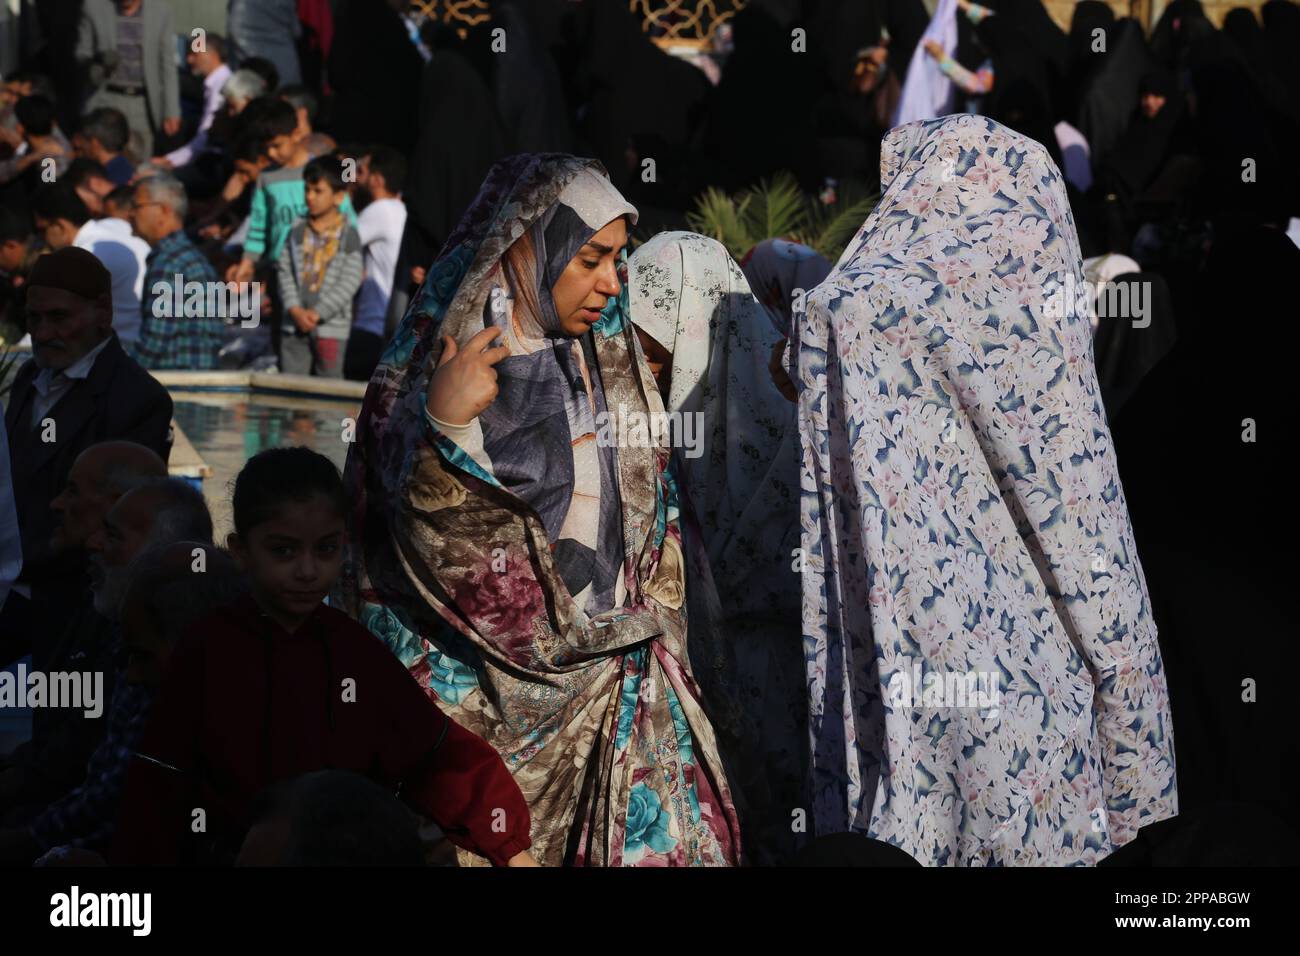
point(687, 293)
point(596, 714)
point(741, 479)
point(548, 401)
point(778, 270)
point(963, 515)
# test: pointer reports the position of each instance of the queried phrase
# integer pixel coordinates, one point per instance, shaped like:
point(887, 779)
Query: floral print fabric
point(962, 514)
point(597, 716)
point(741, 479)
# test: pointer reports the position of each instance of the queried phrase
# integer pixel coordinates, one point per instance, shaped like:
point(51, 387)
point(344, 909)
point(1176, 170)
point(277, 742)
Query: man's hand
point(241, 271)
point(172, 125)
point(235, 186)
point(522, 859)
point(465, 382)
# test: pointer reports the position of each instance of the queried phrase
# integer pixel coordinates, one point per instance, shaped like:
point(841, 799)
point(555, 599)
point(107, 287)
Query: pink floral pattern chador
point(964, 527)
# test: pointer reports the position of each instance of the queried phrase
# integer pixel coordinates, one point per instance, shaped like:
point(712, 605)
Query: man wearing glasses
point(178, 328)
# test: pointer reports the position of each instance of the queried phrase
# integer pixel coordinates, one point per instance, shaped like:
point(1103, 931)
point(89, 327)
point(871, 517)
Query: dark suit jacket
point(118, 400)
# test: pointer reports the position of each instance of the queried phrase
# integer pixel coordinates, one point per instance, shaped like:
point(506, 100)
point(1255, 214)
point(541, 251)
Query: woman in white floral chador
point(965, 528)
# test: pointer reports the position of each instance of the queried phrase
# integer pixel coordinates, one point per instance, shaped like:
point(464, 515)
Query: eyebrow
point(285, 538)
point(603, 250)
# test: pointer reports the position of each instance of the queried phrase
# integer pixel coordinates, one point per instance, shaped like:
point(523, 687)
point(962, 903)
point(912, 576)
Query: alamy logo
point(227, 300)
point(979, 690)
point(1121, 300)
point(629, 428)
point(76, 690)
point(75, 908)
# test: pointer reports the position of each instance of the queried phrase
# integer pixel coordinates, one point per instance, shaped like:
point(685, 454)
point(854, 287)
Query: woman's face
point(589, 279)
point(658, 358)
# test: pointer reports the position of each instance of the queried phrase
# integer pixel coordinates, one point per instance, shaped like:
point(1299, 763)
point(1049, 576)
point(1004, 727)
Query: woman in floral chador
point(985, 682)
point(739, 477)
point(527, 570)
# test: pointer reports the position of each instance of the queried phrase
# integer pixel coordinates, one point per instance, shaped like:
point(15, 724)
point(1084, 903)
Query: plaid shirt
point(169, 338)
point(86, 816)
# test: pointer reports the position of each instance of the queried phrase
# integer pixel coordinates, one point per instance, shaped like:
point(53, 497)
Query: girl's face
point(590, 278)
point(293, 559)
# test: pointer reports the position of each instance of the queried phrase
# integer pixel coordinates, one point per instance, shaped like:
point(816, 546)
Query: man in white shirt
point(210, 64)
point(380, 176)
point(63, 219)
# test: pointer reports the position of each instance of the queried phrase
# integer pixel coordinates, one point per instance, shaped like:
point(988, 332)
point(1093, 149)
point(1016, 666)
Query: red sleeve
point(451, 775)
point(155, 810)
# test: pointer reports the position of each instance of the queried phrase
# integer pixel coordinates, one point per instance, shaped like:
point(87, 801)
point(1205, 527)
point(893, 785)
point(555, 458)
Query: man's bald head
point(100, 475)
point(121, 465)
point(161, 511)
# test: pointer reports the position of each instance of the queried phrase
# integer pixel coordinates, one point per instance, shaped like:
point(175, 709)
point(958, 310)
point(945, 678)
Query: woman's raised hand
point(465, 382)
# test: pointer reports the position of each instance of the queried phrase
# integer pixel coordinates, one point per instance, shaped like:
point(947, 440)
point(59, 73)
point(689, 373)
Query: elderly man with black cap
point(79, 388)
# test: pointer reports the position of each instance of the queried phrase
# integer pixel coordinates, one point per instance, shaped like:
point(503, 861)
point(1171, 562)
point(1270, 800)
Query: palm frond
point(778, 208)
point(721, 217)
point(832, 226)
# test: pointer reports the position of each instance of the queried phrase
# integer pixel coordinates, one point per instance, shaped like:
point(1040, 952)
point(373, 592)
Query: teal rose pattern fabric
point(962, 514)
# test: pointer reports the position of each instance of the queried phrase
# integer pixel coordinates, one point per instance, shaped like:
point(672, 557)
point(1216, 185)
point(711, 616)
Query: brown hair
point(520, 266)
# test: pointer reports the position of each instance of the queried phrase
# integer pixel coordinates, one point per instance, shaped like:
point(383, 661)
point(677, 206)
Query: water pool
point(228, 428)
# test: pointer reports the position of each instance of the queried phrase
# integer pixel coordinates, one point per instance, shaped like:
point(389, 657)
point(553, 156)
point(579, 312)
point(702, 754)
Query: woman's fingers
point(448, 350)
point(494, 355)
point(482, 340)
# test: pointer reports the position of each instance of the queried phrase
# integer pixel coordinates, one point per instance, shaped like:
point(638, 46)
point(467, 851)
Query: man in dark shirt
point(78, 389)
point(102, 136)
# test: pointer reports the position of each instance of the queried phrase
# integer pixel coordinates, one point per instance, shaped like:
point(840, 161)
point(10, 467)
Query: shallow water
point(228, 428)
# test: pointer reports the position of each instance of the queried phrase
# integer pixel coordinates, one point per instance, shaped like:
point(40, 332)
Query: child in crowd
point(277, 684)
point(319, 271)
point(279, 199)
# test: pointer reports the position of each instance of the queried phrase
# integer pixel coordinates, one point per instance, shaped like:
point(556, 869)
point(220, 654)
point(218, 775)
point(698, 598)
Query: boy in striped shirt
point(319, 271)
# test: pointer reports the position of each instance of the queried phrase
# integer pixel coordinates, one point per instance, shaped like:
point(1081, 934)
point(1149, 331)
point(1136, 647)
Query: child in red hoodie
point(277, 684)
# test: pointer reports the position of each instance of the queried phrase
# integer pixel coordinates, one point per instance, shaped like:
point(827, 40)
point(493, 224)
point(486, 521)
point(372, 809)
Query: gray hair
point(122, 477)
point(167, 190)
point(181, 513)
point(243, 85)
point(179, 596)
